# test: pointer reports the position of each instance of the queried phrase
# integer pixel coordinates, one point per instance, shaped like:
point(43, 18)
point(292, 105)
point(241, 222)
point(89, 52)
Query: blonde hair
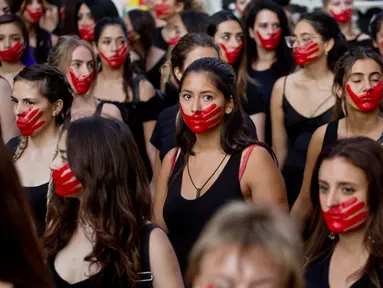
point(61, 54)
point(20, 148)
point(251, 225)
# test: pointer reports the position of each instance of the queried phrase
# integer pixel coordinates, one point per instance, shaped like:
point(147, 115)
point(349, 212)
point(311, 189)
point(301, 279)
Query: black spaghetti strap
point(331, 134)
point(99, 108)
point(146, 277)
point(284, 86)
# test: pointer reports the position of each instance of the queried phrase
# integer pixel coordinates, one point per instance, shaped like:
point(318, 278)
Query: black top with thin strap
point(299, 131)
point(184, 218)
point(136, 113)
point(96, 280)
point(317, 275)
point(37, 195)
point(366, 43)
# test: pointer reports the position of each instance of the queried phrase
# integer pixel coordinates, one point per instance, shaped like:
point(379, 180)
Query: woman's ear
point(328, 45)
point(229, 107)
point(338, 90)
point(177, 73)
point(58, 107)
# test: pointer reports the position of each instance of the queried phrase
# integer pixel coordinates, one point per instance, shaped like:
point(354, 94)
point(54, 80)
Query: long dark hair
point(27, 58)
point(236, 134)
point(367, 155)
point(240, 65)
point(104, 157)
point(328, 28)
point(21, 261)
point(195, 21)
point(129, 67)
point(342, 73)
point(285, 63)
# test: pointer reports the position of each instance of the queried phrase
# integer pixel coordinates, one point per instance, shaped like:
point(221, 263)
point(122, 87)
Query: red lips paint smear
point(172, 42)
point(304, 55)
point(12, 54)
point(65, 182)
point(272, 42)
point(117, 59)
point(342, 17)
point(27, 122)
point(162, 10)
point(35, 15)
point(203, 121)
point(231, 56)
point(81, 85)
point(368, 101)
point(86, 32)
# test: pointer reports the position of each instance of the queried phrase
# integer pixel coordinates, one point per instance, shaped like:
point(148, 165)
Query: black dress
point(37, 195)
point(299, 131)
point(45, 38)
point(95, 281)
point(184, 218)
point(317, 275)
point(367, 43)
point(135, 114)
point(254, 102)
point(164, 133)
point(158, 40)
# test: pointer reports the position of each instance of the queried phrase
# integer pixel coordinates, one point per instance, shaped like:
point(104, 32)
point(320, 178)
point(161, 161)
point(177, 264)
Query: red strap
point(244, 161)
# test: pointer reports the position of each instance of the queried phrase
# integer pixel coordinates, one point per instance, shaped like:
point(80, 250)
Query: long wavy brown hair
point(104, 157)
point(367, 155)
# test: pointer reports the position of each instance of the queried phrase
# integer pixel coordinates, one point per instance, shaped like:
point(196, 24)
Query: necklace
point(198, 192)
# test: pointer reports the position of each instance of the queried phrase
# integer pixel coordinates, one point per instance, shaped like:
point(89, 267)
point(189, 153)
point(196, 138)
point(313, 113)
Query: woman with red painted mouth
point(75, 58)
point(342, 12)
point(302, 101)
point(41, 99)
point(358, 89)
point(120, 83)
point(376, 31)
point(269, 58)
point(228, 33)
point(89, 12)
point(345, 245)
point(214, 160)
point(40, 40)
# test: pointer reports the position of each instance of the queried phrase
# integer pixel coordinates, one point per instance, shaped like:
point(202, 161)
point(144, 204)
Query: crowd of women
point(171, 148)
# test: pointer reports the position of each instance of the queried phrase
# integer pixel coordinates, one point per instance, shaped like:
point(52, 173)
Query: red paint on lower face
point(86, 32)
point(12, 54)
point(368, 101)
point(342, 17)
point(305, 54)
point(205, 120)
point(232, 56)
point(346, 216)
point(162, 10)
point(272, 42)
point(118, 59)
point(27, 121)
point(35, 14)
point(172, 42)
point(65, 182)
point(81, 85)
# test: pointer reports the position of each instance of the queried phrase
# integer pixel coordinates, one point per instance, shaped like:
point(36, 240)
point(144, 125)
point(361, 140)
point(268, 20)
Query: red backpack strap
point(244, 161)
point(174, 159)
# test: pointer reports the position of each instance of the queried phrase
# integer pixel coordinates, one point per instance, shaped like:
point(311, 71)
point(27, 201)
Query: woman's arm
point(302, 208)
point(111, 110)
point(162, 189)
point(259, 122)
point(279, 134)
point(156, 172)
point(163, 261)
point(263, 180)
point(7, 117)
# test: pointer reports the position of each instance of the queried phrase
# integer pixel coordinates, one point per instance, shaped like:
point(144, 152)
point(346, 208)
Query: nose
point(114, 46)
point(35, 5)
point(84, 71)
point(270, 30)
point(332, 199)
point(20, 108)
point(196, 106)
point(7, 43)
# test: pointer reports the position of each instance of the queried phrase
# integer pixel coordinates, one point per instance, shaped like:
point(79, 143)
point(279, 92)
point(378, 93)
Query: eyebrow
point(361, 74)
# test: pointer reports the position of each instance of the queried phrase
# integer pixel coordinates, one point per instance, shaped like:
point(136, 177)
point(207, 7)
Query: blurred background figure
point(376, 32)
point(245, 245)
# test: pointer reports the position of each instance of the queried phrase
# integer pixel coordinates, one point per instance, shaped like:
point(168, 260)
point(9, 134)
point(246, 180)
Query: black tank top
point(186, 218)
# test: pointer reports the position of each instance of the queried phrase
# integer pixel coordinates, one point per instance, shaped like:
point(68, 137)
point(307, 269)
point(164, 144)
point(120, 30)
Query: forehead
point(84, 8)
point(340, 169)
point(200, 52)
point(26, 89)
point(303, 27)
point(198, 80)
point(230, 26)
point(366, 66)
point(10, 28)
point(266, 15)
point(112, 31)
point(82, 53)
point(3, 4)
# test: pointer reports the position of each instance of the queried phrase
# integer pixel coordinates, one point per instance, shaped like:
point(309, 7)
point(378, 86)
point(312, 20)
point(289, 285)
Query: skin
point(339, 180)
point(33, 165)
point(34, 5)
point(7, 118)
point(241, 5)
point(308, 95)
point(179, 28)
point(378, 43)
point(364, 74)
point(4, 7)
point(85, 17)
point(110, 81)
point(225, 266)
point(196, 94)
point(176, 8)
point(10, 34)
point(50, 18)
point(71, 266)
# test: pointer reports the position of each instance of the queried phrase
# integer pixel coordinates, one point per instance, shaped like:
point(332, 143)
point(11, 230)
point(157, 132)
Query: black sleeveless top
point(45, 39)
point(299, 131)
point(185, 219)
point(136, 113)
point(317, 275)
point(37, 195)
point(367, 43)
point(96, 281)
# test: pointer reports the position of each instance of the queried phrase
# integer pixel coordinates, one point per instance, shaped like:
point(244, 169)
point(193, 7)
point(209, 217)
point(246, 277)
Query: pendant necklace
point(198, 192)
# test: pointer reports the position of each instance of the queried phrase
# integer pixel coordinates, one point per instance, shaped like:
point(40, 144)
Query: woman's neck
point(265, 59)
point(170, 22)
point(109, 74)
point(45, 138)
point(82, 102)
point(317, 70)
point(13, 67)
point(347, 30)
point(208, 141)
point(361, 123)
point(352, 242)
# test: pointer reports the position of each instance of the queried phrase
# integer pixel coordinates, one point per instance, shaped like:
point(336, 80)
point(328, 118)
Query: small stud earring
point(331, 236)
